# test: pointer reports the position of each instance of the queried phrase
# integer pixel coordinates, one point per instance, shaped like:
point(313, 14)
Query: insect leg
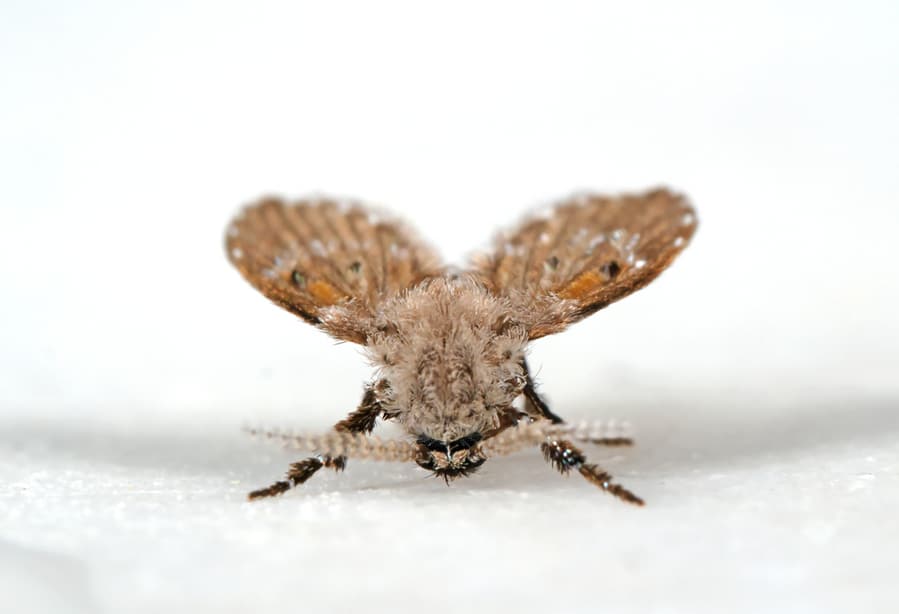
point(564, 456)
point(363, 419)
point(534, 405)
point(296, 475)
point(360, 421)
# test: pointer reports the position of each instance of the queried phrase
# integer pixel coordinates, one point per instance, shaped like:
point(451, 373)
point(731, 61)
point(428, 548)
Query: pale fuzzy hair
point(450, 349)
point(524, 434)
point(452, 355)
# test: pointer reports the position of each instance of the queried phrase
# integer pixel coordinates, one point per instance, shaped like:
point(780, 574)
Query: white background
point(759, 372)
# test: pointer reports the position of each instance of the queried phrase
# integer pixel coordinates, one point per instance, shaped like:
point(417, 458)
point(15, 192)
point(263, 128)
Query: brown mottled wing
point(586, 253)
point(317, 259)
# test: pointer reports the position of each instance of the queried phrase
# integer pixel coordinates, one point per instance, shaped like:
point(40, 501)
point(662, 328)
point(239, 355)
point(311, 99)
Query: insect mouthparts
point(450, 459)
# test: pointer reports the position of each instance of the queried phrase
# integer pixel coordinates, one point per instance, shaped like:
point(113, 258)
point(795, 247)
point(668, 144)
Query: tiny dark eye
point(355, 267)
point(298, 278)
point(464, 443)
point(610, 269)
point(552, 263)
point(431, 444)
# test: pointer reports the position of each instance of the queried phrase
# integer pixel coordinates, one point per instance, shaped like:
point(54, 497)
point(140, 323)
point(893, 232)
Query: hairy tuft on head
point(452, 357)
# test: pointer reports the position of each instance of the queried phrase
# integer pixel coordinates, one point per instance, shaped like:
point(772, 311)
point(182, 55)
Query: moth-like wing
point(331, 264)
point(586, 253)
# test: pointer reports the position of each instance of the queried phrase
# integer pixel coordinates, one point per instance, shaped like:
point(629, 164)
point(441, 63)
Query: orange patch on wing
point(581, 286)
point(324, 293)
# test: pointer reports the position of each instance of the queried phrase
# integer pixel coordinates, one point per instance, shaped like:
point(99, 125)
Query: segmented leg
point(297, 474)
point(534, 405)
point(565, 457)
point(360, 421)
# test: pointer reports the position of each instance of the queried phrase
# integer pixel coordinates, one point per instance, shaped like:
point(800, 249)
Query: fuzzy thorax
point(451, 358)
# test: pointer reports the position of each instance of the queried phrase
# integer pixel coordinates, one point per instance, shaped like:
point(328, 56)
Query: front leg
point(360, 421)
point(535, 406)
point(564, 457)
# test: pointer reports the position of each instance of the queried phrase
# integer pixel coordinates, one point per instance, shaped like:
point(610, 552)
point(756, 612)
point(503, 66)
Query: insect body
point(449, 347)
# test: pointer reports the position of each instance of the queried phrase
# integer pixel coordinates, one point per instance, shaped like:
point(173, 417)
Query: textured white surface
point(759, 373)
point(785, 508)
